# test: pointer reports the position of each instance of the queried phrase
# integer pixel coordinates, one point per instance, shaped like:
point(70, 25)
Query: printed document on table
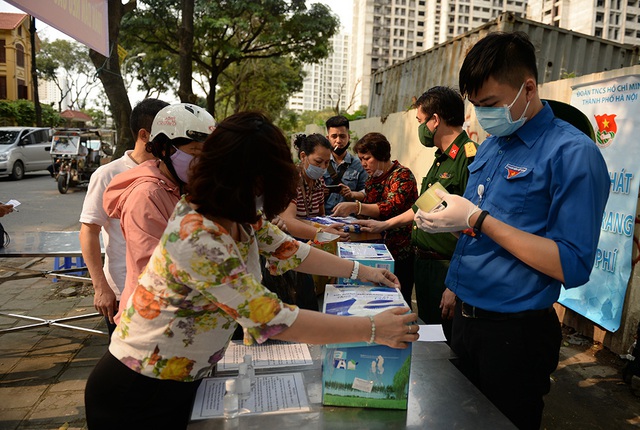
point(270, 354)
point(278, 393)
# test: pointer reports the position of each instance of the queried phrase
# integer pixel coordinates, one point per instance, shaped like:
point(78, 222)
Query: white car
point(24, 149)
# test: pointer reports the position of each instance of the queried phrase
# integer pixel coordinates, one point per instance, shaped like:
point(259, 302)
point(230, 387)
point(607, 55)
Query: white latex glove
point(455, 217)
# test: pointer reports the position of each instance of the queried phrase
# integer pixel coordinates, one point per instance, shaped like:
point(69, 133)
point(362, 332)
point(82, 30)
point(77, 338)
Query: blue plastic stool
point(68, 263)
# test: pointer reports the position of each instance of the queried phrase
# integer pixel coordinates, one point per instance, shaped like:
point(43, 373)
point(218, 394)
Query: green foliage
point(263, 85)
point(23, 113)
point(67, 65)
point(230, 32)
point(401, 379)
point(98, 117)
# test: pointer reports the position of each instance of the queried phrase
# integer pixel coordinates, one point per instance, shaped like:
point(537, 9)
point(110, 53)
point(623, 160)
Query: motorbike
point(76, 154)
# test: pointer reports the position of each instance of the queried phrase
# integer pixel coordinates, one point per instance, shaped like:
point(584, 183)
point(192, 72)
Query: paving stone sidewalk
point(43, 370)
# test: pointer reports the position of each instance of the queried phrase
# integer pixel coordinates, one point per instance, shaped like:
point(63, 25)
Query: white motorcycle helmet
point(183, 120)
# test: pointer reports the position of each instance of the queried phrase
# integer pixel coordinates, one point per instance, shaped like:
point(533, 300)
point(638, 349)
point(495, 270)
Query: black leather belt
point(469, 311)
point(428, 255)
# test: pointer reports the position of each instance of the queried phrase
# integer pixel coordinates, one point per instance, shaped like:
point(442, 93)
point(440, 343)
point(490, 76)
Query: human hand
point(372, 225)
point(279, 222)
point(104, 300)
point(334, 229)
point(448, 304)
point(454, 217)
point(345, 191)
point(345, 209)
point(394, 327)
point(378, 276)
point(5, 209)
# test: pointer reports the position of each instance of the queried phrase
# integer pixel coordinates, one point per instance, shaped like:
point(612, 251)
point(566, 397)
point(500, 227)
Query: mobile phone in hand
point(334, 188)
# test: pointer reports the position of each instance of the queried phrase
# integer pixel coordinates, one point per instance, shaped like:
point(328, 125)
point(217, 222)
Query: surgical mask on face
point(314, 172)
point(181, 162)
point(497, 121)
point(426, 136)
point(378, 172)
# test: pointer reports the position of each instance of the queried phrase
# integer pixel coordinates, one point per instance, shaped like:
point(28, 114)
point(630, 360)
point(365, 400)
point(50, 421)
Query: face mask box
point(369, 254)
point(361, 374)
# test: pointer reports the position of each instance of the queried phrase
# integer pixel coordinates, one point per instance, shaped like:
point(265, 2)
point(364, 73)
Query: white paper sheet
point(277, 393)
point(270, 354)
point(431, 333)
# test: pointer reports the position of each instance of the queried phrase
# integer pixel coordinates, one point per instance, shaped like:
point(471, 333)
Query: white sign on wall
point(613, 107)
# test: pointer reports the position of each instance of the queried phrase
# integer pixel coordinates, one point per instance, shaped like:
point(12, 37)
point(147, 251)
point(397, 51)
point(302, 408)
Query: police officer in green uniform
point(440, 113)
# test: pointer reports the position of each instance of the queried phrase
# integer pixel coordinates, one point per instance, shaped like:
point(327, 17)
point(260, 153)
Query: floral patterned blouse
point(198, 284)
point(394, 192)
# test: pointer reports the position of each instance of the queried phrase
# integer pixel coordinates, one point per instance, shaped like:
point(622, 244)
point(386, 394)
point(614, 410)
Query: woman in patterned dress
point(204, 278)
point(390, 190)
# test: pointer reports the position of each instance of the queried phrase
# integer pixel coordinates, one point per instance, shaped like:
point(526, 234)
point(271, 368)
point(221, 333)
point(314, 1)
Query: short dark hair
point(337, 121)
point(375, 144)
point(245, 156)
point(308, 143)
point(506, 57)
point(444, 101)
point(143, 114)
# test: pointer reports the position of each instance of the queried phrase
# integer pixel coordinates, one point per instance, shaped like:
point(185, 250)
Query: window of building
point(420, 33)
point(599, 3)
point(599, 17)
point(20, 31)
point(419, 44)
point(3, 52)
point(598, 32)
point(22, 90)
point(19, 55)
point(3, 87)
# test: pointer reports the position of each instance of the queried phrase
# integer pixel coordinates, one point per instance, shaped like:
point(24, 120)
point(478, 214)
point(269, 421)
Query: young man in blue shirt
point(534, 201)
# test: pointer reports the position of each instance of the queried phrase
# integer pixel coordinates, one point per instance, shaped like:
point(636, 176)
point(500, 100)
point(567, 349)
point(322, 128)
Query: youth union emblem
point(607, 129)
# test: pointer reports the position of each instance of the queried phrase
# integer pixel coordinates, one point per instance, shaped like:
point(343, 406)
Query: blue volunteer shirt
point(548, 179)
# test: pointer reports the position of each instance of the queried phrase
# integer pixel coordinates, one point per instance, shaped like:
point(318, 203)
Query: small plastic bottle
point(230, 402)
point(244, 382)
point(251, 371)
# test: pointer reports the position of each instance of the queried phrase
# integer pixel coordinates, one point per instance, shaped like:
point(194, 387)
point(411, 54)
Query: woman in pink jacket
point(144, 197)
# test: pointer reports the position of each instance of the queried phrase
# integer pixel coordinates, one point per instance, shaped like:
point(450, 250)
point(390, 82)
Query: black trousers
point(117, 397)
point(510, 361)
point(404, 271)
point(430, 276)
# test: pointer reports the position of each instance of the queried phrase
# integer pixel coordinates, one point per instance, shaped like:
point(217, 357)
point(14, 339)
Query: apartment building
point(616, 20)
point(15, 57)
point(386, 32)
point(325, 83)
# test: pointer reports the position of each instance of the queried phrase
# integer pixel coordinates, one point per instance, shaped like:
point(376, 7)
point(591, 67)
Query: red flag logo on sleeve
point(607, 129)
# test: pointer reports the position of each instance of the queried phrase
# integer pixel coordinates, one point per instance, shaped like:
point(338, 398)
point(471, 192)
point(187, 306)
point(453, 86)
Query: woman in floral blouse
point(204, 278)
point(390, 190)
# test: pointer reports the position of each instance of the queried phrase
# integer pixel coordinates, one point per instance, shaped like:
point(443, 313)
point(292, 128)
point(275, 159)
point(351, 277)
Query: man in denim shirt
point(344, 168)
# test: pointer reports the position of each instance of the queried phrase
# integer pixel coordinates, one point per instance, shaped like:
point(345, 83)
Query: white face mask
point(378, 172)
point(497, 121)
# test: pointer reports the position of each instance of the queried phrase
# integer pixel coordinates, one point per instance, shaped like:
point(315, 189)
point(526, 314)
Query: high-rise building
point(386, 32)
point(451, 18)
point(325, 83)
point(49, 94)
point(614, 20)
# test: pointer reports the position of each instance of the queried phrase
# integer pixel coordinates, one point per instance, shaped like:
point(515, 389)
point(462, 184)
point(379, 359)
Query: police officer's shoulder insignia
point(470, 149)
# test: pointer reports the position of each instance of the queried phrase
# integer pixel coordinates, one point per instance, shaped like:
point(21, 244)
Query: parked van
point(24, 149)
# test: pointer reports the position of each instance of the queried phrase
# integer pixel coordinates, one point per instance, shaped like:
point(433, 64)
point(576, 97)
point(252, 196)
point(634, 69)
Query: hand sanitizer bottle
point(251, 371)
point(230, 402)
point(244, 383)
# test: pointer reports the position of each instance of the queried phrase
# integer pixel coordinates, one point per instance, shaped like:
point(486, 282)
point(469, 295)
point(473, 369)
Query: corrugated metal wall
point(559, 51)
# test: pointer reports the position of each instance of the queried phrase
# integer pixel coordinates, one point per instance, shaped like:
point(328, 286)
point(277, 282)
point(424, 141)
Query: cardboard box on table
point(369, 254)
point(363, 374)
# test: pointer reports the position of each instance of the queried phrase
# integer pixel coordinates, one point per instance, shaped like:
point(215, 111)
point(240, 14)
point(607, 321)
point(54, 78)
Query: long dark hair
point(245, 156)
